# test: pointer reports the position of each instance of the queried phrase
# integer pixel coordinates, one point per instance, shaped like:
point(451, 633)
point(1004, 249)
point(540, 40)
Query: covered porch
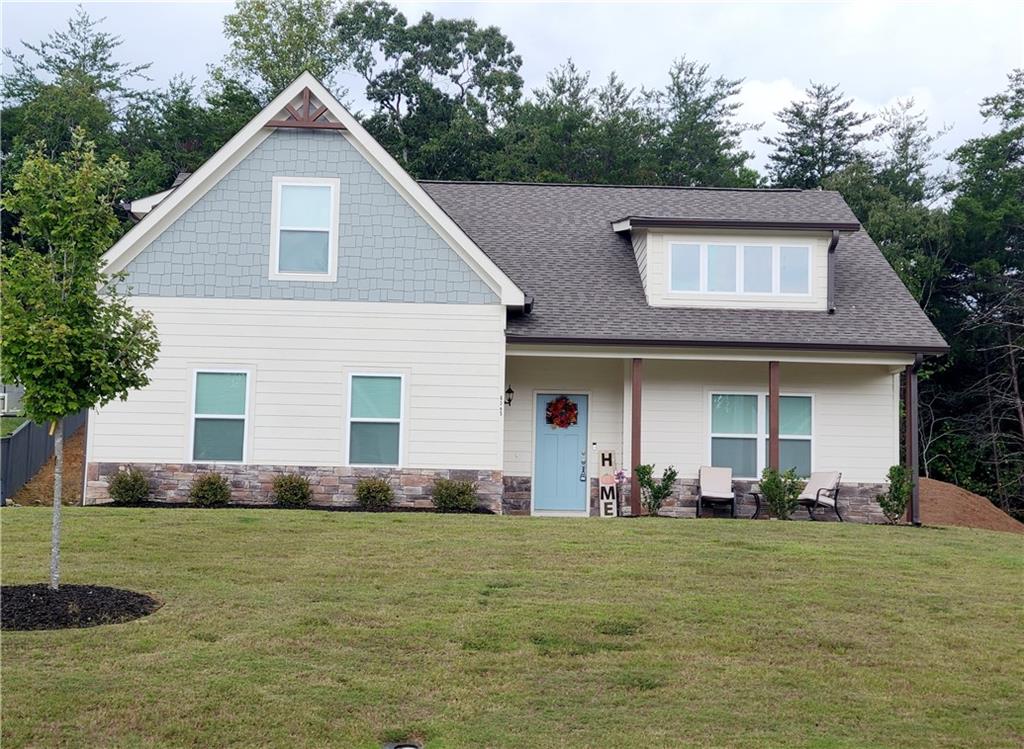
point(689, 407)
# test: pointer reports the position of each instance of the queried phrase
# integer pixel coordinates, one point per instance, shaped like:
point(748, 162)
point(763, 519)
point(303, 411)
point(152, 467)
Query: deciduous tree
point(70, 336)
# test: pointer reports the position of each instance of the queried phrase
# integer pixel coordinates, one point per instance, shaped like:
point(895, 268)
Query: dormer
point(734, 263)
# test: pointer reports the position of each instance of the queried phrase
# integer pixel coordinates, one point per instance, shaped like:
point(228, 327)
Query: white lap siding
point(855, 418)
point(299, 355)
point(601, 379)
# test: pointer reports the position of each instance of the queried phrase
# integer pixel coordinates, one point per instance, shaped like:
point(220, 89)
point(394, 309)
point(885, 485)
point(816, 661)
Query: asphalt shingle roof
point(556, 242)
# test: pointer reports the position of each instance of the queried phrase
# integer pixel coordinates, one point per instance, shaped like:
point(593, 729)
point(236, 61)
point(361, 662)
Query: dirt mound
point(39, 489)
point(946, 504)
point(38, 607)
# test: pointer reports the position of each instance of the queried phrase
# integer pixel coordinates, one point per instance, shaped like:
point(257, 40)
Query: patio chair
point(822, 490)
point(715, 487)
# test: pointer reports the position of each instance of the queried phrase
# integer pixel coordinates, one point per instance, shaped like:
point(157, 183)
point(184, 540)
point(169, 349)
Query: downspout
point(832, 272)
point(912, 439)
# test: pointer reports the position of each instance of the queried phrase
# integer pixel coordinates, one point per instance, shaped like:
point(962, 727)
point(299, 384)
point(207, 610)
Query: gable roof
point(558, 243)
point(166, 208)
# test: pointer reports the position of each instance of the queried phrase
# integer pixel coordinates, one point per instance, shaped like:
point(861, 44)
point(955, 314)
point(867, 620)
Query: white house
point(321, 312)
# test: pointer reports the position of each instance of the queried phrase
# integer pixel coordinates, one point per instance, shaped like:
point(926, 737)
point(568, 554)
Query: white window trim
point(761, 436)
point(739, 286)
point(368, 420)
point(3, 403)
point(332, 233)
point(244, 417)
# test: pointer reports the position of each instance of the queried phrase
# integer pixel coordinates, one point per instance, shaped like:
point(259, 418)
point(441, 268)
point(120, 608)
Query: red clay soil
point(39, 489)
point(946, 504)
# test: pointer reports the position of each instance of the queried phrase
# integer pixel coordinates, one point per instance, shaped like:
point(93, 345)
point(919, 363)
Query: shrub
point(210, 490)
point(292, 490)
point(780, 491)
point(654, 493)
point(129, 487)
point(453, 496)
point(374, 494)
point(897, 495)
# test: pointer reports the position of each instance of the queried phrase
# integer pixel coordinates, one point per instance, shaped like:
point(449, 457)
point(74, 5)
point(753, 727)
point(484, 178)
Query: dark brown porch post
point(634, 436)
point(773, 415)
point(910, 443)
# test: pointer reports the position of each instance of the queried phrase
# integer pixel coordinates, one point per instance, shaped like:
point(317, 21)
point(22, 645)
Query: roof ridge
point(629, 187)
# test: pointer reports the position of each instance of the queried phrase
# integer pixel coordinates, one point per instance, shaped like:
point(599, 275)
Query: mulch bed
point(268, 506)
point(38, 607)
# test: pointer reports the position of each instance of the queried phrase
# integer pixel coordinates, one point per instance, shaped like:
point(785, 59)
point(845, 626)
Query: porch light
point(509, 395)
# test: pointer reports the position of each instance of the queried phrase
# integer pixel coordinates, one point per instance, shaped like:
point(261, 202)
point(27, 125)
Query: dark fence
point(23, 452)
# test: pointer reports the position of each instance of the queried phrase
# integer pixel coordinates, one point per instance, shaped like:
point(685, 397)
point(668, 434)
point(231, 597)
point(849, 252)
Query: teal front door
point(560, 454)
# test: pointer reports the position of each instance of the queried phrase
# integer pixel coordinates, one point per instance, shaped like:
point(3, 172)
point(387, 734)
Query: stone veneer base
point(857, 501)
point(333, 486)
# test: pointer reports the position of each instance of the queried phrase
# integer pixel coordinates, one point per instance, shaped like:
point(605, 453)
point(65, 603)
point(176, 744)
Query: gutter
point(831, 263)
point(793, 345)
point(634, 222)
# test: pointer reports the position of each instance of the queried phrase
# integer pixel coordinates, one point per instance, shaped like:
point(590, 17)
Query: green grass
point(305, 628)
point(9, 423)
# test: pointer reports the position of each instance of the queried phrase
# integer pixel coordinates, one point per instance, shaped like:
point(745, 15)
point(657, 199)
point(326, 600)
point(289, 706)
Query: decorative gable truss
point(306, 103)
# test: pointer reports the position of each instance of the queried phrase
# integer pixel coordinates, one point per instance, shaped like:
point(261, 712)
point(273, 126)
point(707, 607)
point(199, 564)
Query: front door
point(560, 455)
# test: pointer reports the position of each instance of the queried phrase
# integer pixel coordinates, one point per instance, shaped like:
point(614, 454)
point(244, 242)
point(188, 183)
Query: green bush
point(129, 487)
point(780, 491)
point(292, 490)
point(453, 496)
point(897, 495)
point(374, 494)
point(210, 490)
point(654, 493)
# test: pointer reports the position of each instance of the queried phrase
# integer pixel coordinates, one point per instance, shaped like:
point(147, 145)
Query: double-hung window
point(219, 415)
point(739, 269)
point(739, 433)
point(304, 245)
point(375, 420)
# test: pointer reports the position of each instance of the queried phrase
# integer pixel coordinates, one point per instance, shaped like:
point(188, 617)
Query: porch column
point(910, 443)
point(773, 415)
point(634, 436)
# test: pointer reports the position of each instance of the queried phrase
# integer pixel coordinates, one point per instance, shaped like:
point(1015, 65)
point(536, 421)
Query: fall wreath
point(561, 412)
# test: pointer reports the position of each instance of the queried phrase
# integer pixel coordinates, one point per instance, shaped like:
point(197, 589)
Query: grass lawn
point(307, 628)
point(9, 423)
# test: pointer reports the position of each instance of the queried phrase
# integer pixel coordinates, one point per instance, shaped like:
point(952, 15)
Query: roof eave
point(684, 343)
point(650, 222)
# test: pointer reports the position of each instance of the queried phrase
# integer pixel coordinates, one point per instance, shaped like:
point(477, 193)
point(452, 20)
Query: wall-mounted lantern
point(509, 395)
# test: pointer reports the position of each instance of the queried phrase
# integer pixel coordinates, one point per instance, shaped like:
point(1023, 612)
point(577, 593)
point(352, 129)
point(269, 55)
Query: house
point(321, 312)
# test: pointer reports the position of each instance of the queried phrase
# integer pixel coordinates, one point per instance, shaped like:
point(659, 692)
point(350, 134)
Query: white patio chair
point(822, 490)
point(715, 487)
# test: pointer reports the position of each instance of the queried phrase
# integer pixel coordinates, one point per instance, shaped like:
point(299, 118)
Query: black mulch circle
point(38, 607)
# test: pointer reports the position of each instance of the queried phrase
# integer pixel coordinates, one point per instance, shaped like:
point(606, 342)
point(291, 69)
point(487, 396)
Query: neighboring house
point(10, 398)
point(322, 312)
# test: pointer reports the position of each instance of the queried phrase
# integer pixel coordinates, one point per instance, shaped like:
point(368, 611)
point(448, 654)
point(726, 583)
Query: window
point(721, 267)
point(739, 269)
point(304, 245)
point(3, 403)
point(685, 267)
point(375, 420)
point(220, 405)
point(794, 270)
point(739, 433)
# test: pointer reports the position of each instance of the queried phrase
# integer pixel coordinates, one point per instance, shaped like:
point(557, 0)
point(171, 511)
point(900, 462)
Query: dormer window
point(304, 228)
point(711, 268)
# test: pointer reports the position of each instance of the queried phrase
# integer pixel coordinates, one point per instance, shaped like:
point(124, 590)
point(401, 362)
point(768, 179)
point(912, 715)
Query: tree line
point(446, 98)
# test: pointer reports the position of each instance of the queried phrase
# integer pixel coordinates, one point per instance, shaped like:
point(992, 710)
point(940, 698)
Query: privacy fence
point(24, 451)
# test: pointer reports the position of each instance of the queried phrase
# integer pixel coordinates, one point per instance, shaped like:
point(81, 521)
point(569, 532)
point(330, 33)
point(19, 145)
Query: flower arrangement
point(561, 413)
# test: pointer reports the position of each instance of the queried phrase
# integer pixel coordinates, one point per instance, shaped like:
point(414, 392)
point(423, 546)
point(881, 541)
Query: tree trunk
point(58, 485)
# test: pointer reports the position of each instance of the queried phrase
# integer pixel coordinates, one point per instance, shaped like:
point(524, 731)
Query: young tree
point(699, 142)
point(821, 135)
point(70, 336)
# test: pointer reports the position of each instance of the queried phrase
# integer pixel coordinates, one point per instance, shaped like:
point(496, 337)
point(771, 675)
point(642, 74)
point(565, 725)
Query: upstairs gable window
point(739, 269)
point(304, 245)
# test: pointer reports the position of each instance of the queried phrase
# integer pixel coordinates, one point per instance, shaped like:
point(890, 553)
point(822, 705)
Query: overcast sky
point(946, 55)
